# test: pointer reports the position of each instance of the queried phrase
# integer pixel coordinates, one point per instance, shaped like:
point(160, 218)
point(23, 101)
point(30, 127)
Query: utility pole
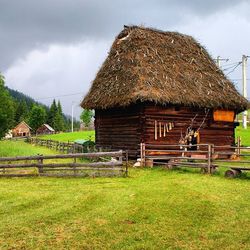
point(218, 60)
point(244, 83)
point(72, 117)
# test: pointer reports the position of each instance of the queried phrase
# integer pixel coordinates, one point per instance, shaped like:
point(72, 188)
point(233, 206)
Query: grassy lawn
point(20, 148)
point(244, 134)
point(152, 209)
point(71, 136)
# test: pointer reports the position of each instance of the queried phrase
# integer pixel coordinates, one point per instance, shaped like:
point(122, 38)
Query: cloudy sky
point(54, 48)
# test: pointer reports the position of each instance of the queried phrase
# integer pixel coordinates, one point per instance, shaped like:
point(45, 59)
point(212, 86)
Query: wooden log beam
point(23, 165)
point(19, 175)
point(70, 175)
point(91, 164)
point(84, 169)
point(63, 156)
point(231, 173)
point(182, 164)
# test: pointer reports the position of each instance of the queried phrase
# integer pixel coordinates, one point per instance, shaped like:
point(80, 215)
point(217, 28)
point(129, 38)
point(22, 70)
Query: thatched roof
point(163, 67)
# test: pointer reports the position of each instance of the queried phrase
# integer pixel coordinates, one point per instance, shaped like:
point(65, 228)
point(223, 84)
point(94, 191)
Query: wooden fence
point(204, 156)
point(117, 164)
point(64, 147)
point(239, 160)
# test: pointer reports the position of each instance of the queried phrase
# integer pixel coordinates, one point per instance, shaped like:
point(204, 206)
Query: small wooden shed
point(45, 129)
point(21, 130)
point(161, 88)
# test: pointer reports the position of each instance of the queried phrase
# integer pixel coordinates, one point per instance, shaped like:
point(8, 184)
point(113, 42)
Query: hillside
point(19, 96)
point(24, 104)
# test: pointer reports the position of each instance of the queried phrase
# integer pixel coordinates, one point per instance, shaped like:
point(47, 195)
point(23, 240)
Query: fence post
point(74, 166)
point(238, 146)
point(142, 154)
point(120, 156)
point(141, 150)
point(40, 162)
point(126, 170)
point(68, 147)
point(209, 158)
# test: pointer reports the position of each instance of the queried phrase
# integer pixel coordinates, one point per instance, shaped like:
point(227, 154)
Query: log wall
point(126, 128)
point(218, 133)
point(119, 128)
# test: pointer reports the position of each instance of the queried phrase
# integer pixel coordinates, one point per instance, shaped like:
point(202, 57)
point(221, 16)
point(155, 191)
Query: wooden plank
point(84, 169)
point(91, 164)
point(173, 158)
point(19, 175)
point(76, 174)
point(240, 168)
point(151, 151)
point(78, 155)
point(23, 165)
point(181, 164)
point(231, 161)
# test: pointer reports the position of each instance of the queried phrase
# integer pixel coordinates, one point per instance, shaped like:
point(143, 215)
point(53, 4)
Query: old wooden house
point(161, 88)
point(21, 130)
point(45, 129)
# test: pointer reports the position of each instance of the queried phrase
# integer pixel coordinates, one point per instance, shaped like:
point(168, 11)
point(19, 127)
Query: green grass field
point(71, 136)
point(151, 209)
point(244, 134)
point(20, 148)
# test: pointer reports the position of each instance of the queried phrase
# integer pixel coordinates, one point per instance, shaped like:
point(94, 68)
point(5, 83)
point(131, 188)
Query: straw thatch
point(163, 67)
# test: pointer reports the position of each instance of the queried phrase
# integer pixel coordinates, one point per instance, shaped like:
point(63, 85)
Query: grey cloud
point(30, 24)
point(201, 8)
point(81, 33)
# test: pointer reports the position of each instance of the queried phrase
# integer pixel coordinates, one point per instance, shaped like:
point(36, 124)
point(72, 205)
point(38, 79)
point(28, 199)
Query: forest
point(16, 107)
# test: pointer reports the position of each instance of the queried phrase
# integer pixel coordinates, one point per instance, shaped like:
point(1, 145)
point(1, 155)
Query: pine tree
point(6, 109)
point(60, 123)
point(52, 114)
point(55, 116)
point(22, 112)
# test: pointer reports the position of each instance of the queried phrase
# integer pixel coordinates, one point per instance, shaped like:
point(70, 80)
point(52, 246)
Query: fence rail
point(206, 156)
point(117, 164)
point(64, 147)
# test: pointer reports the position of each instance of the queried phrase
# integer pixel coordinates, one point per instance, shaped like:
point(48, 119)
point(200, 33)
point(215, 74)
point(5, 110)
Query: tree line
point(18, 107)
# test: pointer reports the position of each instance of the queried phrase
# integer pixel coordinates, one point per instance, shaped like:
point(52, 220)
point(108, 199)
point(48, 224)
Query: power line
point(228, 64)
point(239, 79)
point(230, 67)
point(234, 68)
point(66, 95)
